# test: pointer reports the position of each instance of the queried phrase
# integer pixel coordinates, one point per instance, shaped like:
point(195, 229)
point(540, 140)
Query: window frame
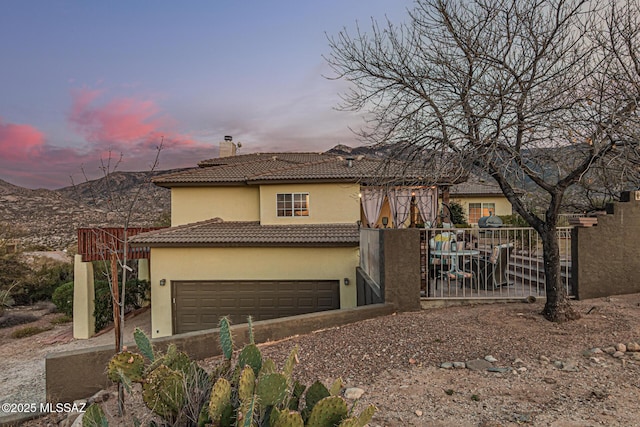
point(295, 206)
point(488, 206)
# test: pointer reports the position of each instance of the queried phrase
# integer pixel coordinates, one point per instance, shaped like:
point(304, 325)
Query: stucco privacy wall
point(331, 263)
point(606, 258)
point(234, 203)
point(78, 374)
point(328, 203)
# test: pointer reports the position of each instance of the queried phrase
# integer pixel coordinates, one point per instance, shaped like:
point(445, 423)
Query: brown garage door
point(199, 305)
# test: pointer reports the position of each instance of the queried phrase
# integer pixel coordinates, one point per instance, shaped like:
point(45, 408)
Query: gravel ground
point(549, 378)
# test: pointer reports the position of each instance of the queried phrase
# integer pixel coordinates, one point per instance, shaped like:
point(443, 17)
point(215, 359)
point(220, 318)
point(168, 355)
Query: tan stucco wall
point(249, 264)
point(193, 204)
point(84, 322)
point(328, 203)
point(503, 207)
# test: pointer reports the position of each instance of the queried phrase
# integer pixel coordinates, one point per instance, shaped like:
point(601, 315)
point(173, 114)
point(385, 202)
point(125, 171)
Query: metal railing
point(488, 263)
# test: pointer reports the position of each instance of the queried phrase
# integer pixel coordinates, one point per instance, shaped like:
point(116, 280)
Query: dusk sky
point(80, 78)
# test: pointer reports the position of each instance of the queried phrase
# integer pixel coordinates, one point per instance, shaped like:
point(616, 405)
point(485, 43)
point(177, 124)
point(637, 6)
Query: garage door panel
point(200, 304)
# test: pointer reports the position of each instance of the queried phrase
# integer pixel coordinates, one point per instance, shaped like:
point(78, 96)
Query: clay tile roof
point(215, 232)
point(301, 167)
point(478, 187)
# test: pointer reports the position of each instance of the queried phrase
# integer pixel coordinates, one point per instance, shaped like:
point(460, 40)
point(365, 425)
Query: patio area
point(487, 263)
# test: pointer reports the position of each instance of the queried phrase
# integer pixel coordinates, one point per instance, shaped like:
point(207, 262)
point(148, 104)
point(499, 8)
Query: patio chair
point(492, 271)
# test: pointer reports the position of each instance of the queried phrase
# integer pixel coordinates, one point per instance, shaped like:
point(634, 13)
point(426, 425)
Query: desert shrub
point(63, 298)
point(14, 319)
point(61, 320)
point(29, 331)
point(136, 295)
point(35, 283)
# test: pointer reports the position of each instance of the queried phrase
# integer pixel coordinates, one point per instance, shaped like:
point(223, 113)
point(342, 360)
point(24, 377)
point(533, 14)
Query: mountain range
point(48, 219)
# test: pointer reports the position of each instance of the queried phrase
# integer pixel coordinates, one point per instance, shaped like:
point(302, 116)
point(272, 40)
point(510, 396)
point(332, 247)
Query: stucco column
point(84, 322)
point(143, 270)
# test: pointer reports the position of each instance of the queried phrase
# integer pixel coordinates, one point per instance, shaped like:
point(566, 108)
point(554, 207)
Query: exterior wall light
point(346, 281)
point(163, 282)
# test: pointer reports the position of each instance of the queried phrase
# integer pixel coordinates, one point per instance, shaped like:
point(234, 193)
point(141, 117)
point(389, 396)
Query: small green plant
point(63, 298)
point(475, 397)
point(449, 392)
point(29, 331)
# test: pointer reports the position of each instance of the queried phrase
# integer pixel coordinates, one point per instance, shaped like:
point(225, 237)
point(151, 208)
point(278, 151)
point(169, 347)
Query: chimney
point(227, 147)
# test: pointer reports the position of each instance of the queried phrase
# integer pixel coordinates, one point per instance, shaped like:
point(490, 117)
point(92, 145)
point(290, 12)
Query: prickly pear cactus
point(271, 389)
point(177, 360)
point(250, 355)
point(336, 387)
point(268, 367)
point(163, 392)
point(226, 339)
point(94, 417)
point(296, 394)
point(219, 400)
point(316, 392)
point(360, 421)
point(285, 418)
point(246, 384)
point(328, 412)
point(144, 344)
point(131, 365)
point(291, 362)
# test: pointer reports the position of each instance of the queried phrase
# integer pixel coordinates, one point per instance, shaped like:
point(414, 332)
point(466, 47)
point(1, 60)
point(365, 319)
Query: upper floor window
point(478, 210)
point(293, 204)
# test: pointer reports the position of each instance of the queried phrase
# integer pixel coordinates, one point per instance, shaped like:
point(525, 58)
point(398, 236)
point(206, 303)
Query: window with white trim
point(478, 210)
point(292, 204)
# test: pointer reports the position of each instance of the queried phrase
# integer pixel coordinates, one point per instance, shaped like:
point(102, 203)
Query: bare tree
point(114, 245)
point(527, 91)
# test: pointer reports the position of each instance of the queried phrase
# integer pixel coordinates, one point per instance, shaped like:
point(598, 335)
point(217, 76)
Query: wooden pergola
point(100, 244)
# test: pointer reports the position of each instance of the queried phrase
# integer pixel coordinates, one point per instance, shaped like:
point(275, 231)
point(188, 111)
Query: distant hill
point(49, 219)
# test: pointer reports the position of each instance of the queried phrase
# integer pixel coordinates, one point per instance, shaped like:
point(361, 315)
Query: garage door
point(199, 305)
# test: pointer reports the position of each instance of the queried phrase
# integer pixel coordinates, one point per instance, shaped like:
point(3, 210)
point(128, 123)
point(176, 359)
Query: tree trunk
point(557, 307)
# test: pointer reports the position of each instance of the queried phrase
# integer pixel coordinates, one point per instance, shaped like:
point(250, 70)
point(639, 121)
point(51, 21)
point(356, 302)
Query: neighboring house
point(271, 235)
point(480, 198)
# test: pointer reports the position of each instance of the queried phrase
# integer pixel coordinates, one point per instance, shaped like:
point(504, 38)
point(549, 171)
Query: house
point(270, 234)
point(480, 198)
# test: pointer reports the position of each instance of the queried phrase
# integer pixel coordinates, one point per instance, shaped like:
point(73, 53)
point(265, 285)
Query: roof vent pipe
point(350, 162)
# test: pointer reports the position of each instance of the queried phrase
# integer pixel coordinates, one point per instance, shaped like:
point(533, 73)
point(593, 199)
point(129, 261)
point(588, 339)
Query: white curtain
point(372, 199)
point(427, 202)
point(400, 204)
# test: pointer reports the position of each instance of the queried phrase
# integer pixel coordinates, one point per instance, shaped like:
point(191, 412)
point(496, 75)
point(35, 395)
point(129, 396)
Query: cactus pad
point(268, 367)
point(144, 344)
point(316, 392)
point(336, 387)
point(285, 419)
point(290, 363)
point(220, 398)
point(131, 365)
point(360, 421)
point(163, 392)
point(246, 384)
point(226, 339)
point(250, 355)
point(296, 394)
point(330, 411)
point(271, 389)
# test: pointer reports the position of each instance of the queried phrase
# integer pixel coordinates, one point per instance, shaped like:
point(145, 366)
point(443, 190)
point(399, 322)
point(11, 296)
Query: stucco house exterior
point(480, 198)
point(269, 234)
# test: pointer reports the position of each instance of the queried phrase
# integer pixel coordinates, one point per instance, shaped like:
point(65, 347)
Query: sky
point(85, 81)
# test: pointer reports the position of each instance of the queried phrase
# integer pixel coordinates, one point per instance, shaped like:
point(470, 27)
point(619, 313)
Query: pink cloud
point(19, 142)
